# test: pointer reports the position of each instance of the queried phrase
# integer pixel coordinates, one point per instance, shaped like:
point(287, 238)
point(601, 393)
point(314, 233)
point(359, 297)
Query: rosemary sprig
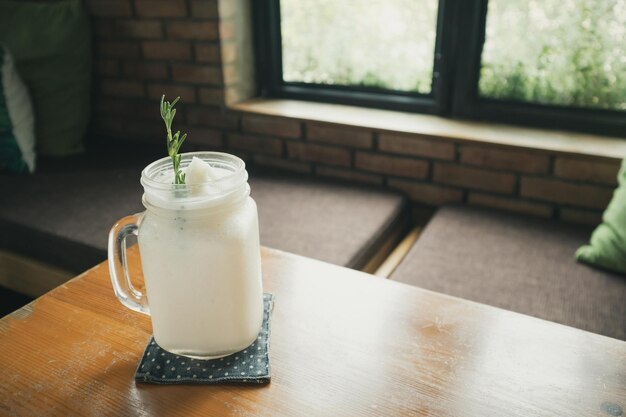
point(174, 141)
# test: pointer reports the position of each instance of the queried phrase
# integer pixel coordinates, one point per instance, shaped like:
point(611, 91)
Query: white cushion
point(17, 125)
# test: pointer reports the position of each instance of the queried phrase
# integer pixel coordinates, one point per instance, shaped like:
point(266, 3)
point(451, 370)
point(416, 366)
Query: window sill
point(439, 127)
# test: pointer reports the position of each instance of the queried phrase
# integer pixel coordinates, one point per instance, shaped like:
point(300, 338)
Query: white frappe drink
point(200, 256)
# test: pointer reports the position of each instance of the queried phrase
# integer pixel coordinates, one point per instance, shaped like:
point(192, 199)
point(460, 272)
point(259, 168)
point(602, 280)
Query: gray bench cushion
point(516, 263)
point(336, 223)
point(62, 216)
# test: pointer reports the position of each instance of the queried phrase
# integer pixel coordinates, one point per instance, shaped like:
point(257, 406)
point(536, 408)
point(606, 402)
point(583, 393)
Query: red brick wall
point(145, 48)
point(435, 171)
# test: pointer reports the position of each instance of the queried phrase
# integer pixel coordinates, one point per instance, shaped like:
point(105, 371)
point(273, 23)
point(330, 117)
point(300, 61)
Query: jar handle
point(118, 266)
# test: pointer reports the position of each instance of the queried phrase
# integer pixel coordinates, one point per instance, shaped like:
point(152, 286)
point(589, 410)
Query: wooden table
point(343, 343)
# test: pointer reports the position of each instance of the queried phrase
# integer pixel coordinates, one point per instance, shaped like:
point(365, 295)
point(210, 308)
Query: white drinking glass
point(200, 256)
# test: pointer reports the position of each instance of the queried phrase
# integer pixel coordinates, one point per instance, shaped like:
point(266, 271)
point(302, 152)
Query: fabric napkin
point(250, 365)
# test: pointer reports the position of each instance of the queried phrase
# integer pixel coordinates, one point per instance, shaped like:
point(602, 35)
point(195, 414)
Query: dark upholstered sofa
point(516, 263)
point(62, 214)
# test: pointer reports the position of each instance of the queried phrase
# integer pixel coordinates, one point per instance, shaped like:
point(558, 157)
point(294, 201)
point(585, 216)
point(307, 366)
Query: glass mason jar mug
point(200, 255)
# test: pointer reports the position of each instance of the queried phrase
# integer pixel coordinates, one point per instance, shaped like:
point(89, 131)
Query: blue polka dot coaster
point(251, 365)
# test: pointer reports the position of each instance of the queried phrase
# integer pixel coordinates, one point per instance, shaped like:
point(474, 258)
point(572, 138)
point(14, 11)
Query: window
point(381, 53)
point(553, 63)
point(556, 52)
point(321, 46)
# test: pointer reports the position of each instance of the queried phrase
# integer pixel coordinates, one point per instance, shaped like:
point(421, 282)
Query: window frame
point(467, 104)
point(455, 78)
point(269, 71)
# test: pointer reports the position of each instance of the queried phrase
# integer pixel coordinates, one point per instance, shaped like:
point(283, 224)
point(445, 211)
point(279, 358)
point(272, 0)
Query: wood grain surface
point(343, 344)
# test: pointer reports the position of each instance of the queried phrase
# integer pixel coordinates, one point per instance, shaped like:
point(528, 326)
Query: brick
point(161, 8)
point(430, 194)
point(143, 70)
point(227, 29)
point(319, 153)
point(187, 94)
point(139, 29)
point(416, 145)
point(281, 164)
point(566, 193)
point(229, 52)
point(234, 94)
point(109, 8)
point(210, 117)
point(339, 136)
point(231, 74)
point(204, 8)
point(348, 175)
point(128, 109)
point(272, 126)
point(600, 171)
point(108, 67)
point(197, 74)
point(117, 88)
point(170, 50)
point(114, 106)
point(144, 110)
point(149, 132)
point(255, 144)
point(509, 204)
point(102, 28)
point(591, 218)
point(474, 178)
point(212, 96)
point(202, 139)
point(510, 160)
point(392, 165)
point(117, 49)
point(208, 53)
point(228, 9)
point(107, 124)
point(134, 131)
point(193, 30)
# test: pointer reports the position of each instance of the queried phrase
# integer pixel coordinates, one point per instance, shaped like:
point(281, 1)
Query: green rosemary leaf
point(175, 141)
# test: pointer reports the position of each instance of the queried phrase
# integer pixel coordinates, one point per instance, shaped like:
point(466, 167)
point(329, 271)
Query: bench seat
point(517, 263)
point(62, 214)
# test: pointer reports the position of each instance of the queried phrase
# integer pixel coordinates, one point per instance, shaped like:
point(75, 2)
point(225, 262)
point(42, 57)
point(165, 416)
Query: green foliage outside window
point(554, 52)
point(373, 43)
point(558, 52)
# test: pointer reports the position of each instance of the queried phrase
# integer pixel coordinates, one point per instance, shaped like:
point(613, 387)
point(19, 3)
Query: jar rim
point(234, 164)
point(165, 194)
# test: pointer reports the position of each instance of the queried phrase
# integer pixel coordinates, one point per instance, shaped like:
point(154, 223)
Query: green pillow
point(607, 248)
point(17, 127)
point(51, 44)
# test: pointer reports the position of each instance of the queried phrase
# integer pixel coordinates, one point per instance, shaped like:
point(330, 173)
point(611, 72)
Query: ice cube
point(199, 172)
